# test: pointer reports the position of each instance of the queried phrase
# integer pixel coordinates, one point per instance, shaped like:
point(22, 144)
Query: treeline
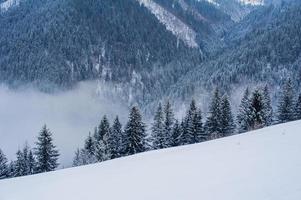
point(114, 141)
point(255, 111)
point(42, 158)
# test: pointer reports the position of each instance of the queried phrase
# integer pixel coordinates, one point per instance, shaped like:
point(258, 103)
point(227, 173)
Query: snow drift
point(262, 165)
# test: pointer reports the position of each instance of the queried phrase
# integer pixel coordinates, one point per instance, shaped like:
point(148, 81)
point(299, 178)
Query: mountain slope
point(262, 164)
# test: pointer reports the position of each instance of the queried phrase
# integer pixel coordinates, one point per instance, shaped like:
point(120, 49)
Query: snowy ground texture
point(260, 165)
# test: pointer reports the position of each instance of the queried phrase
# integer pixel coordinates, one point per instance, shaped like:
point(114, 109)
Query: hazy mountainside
point(263, 48)
point(146, 49)
point(263, 164)
point(62, 42)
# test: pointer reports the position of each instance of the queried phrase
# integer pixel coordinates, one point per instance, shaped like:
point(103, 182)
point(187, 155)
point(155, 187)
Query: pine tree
point(227, 121)
point(168, 124)
point(176, 134)
point(286, 104)
point(4, 173)
point(115, 138)
point(31, 163)
point(77, 159)
point(213, 123)
point(189, 137)
point(298, 108)
point(11, 169)
point(244, 113)
point(102, 149)
point(19, 168)
point(46, 153)
point(268, 110)
point(158, 137)
point(135, 133)
point(257, 106)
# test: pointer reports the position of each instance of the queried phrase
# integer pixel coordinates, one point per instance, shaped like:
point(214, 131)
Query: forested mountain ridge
point(267, 52)
point(149, 48)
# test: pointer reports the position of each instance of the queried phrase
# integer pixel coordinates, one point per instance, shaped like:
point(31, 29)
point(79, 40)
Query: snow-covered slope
point(172, 23)
point(8, 4)
point(261, 165)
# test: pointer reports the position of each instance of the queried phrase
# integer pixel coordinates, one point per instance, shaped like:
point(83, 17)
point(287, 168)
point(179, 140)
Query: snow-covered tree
point(115, 138)
point(135, 133)
point(189, 132)
point(77, 161)
point(176, 134)
point(244, 113)
point(158, 137)
point(25, 163)
point(102, 149)
point(45, 151)
point(168, 124)
point(267, 109)
point(298, 108)
point(286, 103)
point(227, 121)
point(213, 123)
point(257, 107)
point(4, 173)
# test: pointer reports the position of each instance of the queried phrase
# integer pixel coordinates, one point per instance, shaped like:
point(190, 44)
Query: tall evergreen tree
point(102, 149)
point(158, 137)
point(31, 163)
point(45, 151)
point(135, 133)
point(4, 173)
point(213, 123)
point(115, 138)
point(189, 127)
point(268, 110)
point(286, 103)
point(19, 169)
point(77, 158)
point(244, 113)
point(168, 124)
point(176, 134)
point(298, 108)
point(227, 121)
point(258, 112)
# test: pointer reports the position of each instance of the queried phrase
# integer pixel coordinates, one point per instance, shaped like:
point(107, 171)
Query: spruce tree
point(102, 149)
point(176, 134)
point(244, 113)
point(19, 164)
point(135, 133)
point(31, 163)
point(190, 136)
point(227, 121)
point(268, 110)
point(77, 158)
point(115, 138)
point(158, 137)
point(4, 173)
point(257, 107)
point(286, 103)
point(168, 124)
point(193, 129)
point(45, 151)
point(213, 123)
point(298, 108)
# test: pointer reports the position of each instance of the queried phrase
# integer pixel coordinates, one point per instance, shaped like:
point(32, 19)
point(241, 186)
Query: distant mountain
point(264, 48)
point(149, 49)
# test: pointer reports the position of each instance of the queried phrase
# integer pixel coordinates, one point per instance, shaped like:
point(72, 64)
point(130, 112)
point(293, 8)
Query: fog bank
point(70, 115)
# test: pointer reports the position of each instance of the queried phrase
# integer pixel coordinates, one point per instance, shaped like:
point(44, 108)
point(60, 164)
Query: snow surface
point(8, 4)
point(172, 23)
point(259, 165)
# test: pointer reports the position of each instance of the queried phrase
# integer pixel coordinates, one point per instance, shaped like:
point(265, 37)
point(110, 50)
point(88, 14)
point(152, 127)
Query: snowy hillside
point(172, 23)
point(263, 164)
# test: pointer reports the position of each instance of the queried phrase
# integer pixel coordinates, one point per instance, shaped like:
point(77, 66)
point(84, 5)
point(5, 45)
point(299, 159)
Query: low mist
point(70, 115)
